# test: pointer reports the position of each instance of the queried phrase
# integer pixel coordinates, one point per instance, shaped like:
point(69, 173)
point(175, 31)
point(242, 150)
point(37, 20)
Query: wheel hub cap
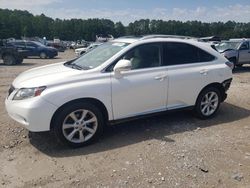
point(209, 103)
point(79, 126)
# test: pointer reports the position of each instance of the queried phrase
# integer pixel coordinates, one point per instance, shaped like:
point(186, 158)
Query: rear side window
point(30, 44)
point(176, 53)
point(19, 44)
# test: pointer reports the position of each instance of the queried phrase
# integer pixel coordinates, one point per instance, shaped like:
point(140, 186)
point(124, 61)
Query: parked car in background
point(125, 78)
point(235, 50)
point(57, 45)
point(79, 44)
point(104, 38)
point(10, 54)
point(81, 51)
point(34, 49)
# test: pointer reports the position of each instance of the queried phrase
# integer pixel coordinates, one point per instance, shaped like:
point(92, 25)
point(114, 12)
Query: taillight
point(230, 65)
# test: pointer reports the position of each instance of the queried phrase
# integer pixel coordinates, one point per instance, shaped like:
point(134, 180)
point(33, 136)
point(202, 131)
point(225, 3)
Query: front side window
point(144, 56)
point(176, 53)
point(244, 46)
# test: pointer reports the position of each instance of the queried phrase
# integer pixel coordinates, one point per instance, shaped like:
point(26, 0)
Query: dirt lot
point(172, 150)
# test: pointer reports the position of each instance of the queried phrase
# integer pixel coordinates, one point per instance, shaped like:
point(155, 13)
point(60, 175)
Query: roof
point(132, 39)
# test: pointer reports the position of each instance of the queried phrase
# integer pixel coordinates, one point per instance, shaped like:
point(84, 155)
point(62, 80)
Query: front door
point(143, 89)
point(244, 53)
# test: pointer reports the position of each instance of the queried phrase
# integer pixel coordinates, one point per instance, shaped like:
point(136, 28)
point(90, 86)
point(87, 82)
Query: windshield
point(227, 45)
point(99, 55)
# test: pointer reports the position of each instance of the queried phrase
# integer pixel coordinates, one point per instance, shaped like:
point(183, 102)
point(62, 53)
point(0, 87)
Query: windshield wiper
point(73, 66)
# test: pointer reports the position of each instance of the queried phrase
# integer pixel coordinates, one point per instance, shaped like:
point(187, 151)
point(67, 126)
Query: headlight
point(25, 93)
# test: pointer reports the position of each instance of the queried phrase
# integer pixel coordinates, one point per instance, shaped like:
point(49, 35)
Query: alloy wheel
point(79, 126)
point(209, 103)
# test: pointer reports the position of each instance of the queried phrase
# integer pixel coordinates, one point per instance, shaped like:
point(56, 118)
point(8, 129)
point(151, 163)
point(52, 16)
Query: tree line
point(17, 23)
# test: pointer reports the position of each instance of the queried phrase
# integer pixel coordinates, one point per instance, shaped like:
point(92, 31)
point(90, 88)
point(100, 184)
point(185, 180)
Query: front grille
point(11, 89)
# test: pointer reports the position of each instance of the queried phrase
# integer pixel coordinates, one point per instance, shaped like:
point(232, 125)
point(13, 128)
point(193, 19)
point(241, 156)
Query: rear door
point(187, 73)
point(20, 45)
point(244, 53)
point(32, 49)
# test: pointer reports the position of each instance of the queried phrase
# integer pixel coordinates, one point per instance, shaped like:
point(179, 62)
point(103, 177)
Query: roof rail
point(130, 36)
point(166, 36)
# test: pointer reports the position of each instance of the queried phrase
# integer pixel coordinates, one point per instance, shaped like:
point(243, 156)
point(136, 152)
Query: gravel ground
point(171, 150)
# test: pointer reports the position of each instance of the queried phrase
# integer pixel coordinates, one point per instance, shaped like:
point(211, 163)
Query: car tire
point(70, 124)
point(9, 59)
point(19, 61)
point(208, 103)
point(43, 55)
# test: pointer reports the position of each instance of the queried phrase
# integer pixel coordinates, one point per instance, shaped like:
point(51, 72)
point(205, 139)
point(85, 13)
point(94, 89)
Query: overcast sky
point(129, 10)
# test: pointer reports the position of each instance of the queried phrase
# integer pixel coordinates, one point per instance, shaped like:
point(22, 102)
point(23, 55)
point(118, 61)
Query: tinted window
point(144, 56)
point(244, 46)
point(21, 44)
point(181, 53)
point(31, 44)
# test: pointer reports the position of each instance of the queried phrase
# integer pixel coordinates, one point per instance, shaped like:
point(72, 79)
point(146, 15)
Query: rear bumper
point(226, 85)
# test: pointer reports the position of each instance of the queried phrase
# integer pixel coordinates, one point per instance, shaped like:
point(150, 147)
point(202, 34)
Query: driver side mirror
point(122, 65)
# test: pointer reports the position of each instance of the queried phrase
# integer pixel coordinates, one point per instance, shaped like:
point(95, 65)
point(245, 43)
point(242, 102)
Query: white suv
point(128, 77)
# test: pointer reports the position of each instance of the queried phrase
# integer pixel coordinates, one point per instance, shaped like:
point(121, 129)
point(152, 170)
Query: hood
point(45, 75)
point(227, 50)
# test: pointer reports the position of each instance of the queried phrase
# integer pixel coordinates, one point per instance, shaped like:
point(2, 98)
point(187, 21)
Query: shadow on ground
point(243, 69)
point(22, 64)
point(57, 57)
point(156, 127)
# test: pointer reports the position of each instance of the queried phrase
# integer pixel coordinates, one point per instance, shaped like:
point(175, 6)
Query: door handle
point(204, 71)
point(160, 77)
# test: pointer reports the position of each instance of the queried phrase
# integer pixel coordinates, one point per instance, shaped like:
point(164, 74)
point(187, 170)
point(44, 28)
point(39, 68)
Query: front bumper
point(34, 113)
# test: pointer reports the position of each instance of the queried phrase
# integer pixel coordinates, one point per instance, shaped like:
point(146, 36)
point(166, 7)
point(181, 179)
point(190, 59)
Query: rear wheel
point(9, 60)
point(78, 124)
point(208, 103)
point(19, 61)
point(43, 55)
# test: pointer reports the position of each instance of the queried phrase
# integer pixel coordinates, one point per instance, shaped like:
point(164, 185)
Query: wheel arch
point(216, 85)
point(93, 101)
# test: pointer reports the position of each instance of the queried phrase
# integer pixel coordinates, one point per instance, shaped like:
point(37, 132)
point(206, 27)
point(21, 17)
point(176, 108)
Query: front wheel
point(43, 55)
point(78, 124)
point(9, 60)
point(208, 103)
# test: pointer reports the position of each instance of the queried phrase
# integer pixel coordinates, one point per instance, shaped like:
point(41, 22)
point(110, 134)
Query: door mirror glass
point(122, 65)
